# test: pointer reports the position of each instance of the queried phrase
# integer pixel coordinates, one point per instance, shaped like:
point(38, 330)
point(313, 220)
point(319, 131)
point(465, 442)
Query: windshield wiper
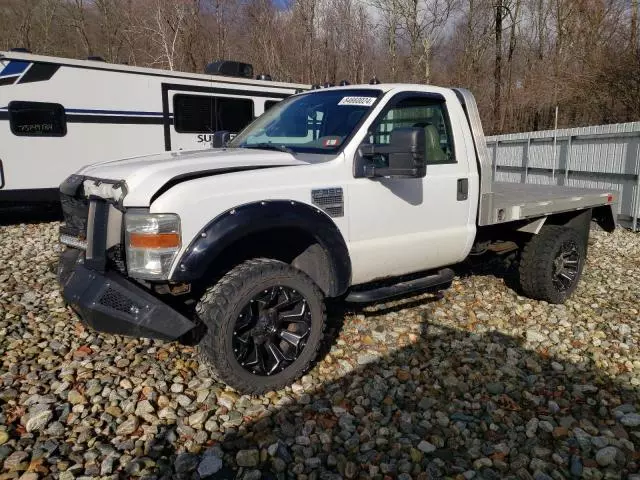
point(270, 146)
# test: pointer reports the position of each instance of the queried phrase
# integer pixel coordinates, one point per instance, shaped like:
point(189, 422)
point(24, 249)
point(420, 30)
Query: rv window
point(269, 103)
point(37, 119)
point(205, 114)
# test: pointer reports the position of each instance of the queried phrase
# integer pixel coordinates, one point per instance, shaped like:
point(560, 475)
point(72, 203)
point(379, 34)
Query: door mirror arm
point(220, 139)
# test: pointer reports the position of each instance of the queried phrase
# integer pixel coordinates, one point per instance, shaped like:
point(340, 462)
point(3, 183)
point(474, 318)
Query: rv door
point(197, 115)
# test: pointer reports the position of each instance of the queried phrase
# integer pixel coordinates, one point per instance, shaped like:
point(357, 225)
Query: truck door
point(403, 225)
point(197, 114)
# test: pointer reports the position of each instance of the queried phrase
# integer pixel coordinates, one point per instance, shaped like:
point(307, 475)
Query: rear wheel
point(264, 321)
point(551, 263)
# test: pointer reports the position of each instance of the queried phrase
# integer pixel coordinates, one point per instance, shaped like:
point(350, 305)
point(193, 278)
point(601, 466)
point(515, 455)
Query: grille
point(115, 300)
point(75, 211)
point(330, 200)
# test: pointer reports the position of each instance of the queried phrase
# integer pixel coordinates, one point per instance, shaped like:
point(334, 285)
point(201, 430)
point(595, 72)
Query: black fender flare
point(239, 222)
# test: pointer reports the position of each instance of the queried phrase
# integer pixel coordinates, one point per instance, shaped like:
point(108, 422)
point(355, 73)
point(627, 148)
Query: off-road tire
point(220, 306)
point(537, 259)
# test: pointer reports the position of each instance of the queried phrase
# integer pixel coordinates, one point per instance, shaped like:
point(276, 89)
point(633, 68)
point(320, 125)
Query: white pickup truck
point(359, 192)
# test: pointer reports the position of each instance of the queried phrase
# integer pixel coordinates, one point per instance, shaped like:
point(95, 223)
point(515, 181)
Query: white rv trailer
point(58, 114)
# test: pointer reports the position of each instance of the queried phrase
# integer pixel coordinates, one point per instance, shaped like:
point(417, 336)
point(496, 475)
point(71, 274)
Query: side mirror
point(220, 139)
point(406, 155)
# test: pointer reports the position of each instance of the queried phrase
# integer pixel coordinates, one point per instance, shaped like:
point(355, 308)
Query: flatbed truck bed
point(516, 201)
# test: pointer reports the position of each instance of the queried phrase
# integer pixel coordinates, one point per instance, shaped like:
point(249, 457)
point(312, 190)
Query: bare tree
point(633, 35)
point(423, 22)
point(111, 21)
point(165, 27)
point(77, 11)
point(520, 57)
point(389, 12)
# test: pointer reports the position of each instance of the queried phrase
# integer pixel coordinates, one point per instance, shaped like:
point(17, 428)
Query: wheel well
point(290, 245)
point(521, 232)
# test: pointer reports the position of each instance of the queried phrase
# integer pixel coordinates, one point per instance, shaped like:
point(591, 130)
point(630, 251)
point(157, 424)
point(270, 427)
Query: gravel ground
point(477, 382)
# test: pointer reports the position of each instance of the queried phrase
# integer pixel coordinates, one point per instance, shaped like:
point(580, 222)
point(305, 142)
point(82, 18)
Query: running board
point(443, 276)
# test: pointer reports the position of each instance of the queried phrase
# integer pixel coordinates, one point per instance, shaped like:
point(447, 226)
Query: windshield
point(318, 122)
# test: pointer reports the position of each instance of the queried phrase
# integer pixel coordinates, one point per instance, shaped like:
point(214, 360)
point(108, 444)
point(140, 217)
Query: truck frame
point(360, 193)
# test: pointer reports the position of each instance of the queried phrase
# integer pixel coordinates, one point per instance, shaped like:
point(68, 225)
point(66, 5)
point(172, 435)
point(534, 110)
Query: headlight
point(152, 241)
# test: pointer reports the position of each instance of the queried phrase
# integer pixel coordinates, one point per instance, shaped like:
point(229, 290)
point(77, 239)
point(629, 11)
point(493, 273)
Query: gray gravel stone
point(37, 420)
point(248, 458)
point(129, 426)
point(367, 358)
point(426, 447)
point(606, 456)
point(209, 465)
point(186, 462)
point(630, 420)
point(495, 388)
point(535, 336)
point(576, 466)
point(15, 459)
point(432, 386)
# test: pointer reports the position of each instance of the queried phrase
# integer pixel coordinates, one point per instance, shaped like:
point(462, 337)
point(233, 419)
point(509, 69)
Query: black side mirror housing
point(220, 139)
point(406, 154)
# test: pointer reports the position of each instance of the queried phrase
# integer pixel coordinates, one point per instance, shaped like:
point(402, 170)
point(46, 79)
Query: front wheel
point(551, 263)
point(265, 321)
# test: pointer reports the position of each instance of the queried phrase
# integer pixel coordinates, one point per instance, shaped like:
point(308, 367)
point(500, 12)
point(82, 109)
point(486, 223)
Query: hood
point(145, 176)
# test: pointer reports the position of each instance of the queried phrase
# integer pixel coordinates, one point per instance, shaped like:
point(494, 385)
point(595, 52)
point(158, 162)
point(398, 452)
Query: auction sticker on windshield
point(361, 101)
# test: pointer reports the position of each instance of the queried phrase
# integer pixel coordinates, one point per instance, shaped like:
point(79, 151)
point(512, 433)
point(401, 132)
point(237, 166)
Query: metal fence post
point(526, 163)
point(636, 207)
point(555, 142)
point(568, 165)
point(495, 160)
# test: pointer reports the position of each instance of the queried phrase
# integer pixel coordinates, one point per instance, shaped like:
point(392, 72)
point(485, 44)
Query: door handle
point(463, 189)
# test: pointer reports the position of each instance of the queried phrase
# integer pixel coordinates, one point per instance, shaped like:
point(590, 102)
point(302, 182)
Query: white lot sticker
point(362, 101)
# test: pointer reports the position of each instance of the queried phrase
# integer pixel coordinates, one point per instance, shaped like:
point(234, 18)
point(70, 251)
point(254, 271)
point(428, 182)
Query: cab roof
point(384, 87)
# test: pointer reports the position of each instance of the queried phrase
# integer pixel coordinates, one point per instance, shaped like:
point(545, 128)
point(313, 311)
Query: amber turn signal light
point(154, 240)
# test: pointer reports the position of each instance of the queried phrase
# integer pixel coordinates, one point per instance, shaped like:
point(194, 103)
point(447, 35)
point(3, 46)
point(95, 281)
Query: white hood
point(145, 175)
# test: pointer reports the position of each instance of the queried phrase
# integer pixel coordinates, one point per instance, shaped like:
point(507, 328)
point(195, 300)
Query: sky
point(281, 3)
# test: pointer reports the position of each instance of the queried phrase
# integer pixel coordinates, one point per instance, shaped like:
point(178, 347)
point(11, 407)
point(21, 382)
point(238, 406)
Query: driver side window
point(421, 112)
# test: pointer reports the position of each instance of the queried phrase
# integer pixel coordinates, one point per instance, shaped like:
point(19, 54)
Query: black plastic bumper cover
point(112, 304)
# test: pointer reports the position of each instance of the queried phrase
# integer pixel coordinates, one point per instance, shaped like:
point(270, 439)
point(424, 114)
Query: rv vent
point(20, 50)
point(230, 68)
point(95, 58)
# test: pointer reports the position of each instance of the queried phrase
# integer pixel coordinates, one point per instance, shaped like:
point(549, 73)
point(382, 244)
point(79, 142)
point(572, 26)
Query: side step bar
point(443, 276)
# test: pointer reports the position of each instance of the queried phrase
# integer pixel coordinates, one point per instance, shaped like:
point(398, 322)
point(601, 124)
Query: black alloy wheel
point(264, 324)
point(566, 266)
point(551, 263)
point(272, 330)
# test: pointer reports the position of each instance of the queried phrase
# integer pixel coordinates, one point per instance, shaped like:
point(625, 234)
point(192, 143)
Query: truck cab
point(359, 192)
